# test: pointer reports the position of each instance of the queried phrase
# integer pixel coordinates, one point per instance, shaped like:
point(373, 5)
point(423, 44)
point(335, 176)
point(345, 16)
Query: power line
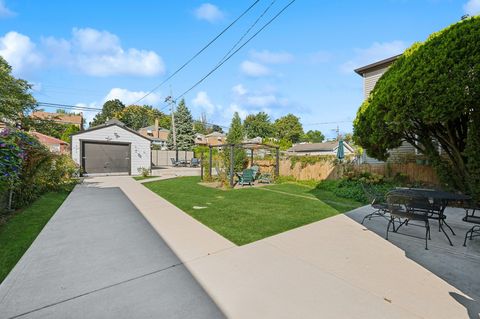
point(238, 49)
point(324, 123)
point(199, 52)
point(248, 30)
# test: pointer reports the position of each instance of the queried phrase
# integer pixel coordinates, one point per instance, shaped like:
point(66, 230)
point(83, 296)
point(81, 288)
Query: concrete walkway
point(99, 258)
point(334, 268)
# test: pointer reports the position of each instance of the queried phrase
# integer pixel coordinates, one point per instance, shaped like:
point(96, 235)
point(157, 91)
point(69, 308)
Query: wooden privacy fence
point(328, 170)
point(163, 158)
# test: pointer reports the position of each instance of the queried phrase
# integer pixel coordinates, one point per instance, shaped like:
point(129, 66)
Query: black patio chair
point(471, 208)
point(175, 163)
point(400, 206)
point(194, 162)
point(378, 203)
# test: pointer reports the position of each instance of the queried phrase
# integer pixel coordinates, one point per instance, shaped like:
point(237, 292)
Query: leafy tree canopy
point(108, 112)
point(15, 100)
point(136, 116)
point(258, 125)
point(313, 136)
point(185, 135)
point(288, 128)
point(430, 96)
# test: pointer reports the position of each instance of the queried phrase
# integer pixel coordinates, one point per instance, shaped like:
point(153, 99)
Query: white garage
point(111, 148)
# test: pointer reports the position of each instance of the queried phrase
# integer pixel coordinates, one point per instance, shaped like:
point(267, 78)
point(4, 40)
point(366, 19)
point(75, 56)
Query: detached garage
point(111, 148)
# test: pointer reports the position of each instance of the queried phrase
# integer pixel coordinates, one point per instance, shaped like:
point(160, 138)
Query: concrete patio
point(457, 265)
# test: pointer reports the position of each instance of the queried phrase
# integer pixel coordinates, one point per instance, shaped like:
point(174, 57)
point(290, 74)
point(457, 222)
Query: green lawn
point(249, 214)
point(21, 229)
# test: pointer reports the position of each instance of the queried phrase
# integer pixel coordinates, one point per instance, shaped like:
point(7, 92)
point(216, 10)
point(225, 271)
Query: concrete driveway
point(99, 258)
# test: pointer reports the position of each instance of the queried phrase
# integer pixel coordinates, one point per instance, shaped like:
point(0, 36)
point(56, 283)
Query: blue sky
point(85, 52)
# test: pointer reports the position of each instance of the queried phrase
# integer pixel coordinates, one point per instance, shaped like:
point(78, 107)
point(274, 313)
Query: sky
point(86, 52)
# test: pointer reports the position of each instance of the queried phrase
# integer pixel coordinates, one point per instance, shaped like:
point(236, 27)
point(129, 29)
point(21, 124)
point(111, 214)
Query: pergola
point(246, 146)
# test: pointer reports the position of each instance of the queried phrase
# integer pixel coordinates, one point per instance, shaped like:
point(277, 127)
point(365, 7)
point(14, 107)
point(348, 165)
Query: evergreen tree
point(258, 125)
point(235, 136)
point(185, 134)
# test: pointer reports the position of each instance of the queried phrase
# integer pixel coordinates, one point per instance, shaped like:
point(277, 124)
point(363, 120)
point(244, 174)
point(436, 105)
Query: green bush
point(352, 189)
point(28, 169)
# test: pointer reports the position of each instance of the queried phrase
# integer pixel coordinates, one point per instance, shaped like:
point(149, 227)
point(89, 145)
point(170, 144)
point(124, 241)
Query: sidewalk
point(334, 268)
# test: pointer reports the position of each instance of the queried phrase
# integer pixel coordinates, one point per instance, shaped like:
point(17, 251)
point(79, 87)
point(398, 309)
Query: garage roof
point(112, 122)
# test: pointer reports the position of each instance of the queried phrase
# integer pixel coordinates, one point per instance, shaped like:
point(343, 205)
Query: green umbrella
point(340, 150)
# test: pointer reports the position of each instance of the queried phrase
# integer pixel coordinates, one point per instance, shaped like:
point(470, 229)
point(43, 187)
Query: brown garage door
point(105, 158)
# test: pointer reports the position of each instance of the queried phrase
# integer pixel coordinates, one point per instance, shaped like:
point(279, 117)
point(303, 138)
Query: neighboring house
point(371, 74)
point(158, 135)
point(325, 148)
point(200, 139)
point(75, 119)
point(2, 125)
point(214, 138)
point(54, 144)
point(111, 148)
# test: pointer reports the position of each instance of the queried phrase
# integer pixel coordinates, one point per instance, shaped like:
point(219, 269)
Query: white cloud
point(269, 57)
point(377, 51)
point(209, 12)
point(472, 7)
point(229, 111)
point(254, 69)
point(260, 100)
point(239, 89)
point(130, 97)
point(20, 52)
point(202, 100)
point(99, 53)
point(4, 11)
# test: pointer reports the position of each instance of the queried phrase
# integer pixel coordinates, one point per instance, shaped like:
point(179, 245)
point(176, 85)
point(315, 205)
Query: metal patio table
point(439, 201)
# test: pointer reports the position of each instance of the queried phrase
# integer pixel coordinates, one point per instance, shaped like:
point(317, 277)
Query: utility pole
point(170, 100)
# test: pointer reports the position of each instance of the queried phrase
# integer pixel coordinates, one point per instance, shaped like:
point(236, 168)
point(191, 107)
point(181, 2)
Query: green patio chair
point(265, 178)
point(246, 177)
point(256, 171)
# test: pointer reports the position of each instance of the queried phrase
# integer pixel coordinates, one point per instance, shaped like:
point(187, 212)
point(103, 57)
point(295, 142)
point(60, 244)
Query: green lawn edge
point(250, 214)
point(20, 230)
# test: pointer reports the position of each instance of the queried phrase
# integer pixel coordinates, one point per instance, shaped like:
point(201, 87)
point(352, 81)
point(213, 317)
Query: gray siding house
point(371, 74)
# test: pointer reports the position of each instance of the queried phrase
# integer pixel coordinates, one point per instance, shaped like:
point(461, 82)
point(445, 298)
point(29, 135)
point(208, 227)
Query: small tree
point(185, 135)
point(289, 128)
point(15, 101)
point(313, 137)
point(109, 111)
point(235, 136)
point(258, 125)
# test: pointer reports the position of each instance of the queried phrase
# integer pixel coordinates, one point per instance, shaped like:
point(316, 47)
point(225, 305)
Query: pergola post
point(277, 163)
point(231, 164)
point(251, 157)
point(210, 161)
point(201, 166)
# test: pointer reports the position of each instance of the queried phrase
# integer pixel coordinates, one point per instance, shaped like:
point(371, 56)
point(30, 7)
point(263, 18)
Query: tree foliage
point(15, 100)
point(313, 136)
point(185, 135)
point(236, 135)
point(288, 128)
point(137, 116)
point(108, 112)
point(258, 125)
point(429, 97)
